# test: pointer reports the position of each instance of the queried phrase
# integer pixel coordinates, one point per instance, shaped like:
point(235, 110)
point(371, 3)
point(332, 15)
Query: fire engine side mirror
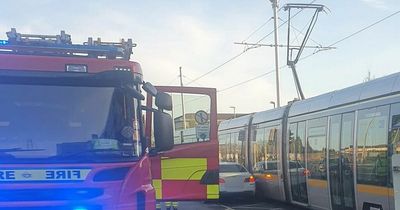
point(164, 101)
point(163, 131)
point(134, 93)
point(149, 88)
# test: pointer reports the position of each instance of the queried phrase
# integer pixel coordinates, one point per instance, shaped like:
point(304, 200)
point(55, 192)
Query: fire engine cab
point(75, 135)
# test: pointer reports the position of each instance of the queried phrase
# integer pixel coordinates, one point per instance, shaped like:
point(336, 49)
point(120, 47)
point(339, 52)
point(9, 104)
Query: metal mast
point(182, 100)
point(275, 9)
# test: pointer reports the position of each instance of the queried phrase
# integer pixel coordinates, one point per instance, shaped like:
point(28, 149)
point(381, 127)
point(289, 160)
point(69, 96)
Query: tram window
point(292, 141)
point(334, 144)
point(334, 159)
point(270, 147)
point(235, 146)
point(242, 141)
point(272, 165)
point(224, 147)
point(264, 150)
point(258, 153)
point(238, 147)
point(301, 151)
point(297, 142)
point(297, 145)
point(293, 165)
point(316, 153)
point(372, 140)
point(347, 147)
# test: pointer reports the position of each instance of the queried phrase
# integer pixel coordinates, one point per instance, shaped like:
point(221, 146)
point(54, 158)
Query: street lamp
point(273, 103)
point(234, 111)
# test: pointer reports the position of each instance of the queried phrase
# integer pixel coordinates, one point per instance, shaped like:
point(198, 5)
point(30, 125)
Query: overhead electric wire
point(261, 26)
point(218, 67)
point(315, 52)
point(261, 75)
point(301, 32)
point(282, 24)
point(249, 80)
point(365, 28)
point(295, 38)
point(241, 53)
point(246, 81)
point(257, 29)
point(173, 80)
point(191, 79)
point(269, 72)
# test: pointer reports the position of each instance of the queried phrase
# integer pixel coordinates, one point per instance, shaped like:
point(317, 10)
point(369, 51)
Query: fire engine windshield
point(62, 124)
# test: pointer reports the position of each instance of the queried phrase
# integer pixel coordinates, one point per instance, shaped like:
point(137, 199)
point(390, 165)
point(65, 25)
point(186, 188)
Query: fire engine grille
point(49, 194)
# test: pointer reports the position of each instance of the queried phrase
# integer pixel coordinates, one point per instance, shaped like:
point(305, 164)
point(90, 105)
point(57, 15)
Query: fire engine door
point(190, 170)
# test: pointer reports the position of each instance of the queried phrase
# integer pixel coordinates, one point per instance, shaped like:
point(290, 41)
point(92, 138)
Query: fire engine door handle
point(396, 169)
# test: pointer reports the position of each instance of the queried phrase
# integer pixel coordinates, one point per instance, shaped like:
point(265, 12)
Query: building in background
point(191, 122)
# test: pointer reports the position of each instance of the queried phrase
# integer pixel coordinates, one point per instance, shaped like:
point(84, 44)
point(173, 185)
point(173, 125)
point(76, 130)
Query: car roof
point(229, 163)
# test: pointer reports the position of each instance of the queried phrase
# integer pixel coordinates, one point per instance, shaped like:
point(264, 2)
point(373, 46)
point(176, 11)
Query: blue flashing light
point(3, 42)
point(80, 208)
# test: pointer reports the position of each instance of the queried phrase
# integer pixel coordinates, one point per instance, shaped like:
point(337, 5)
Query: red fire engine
point(74, 134)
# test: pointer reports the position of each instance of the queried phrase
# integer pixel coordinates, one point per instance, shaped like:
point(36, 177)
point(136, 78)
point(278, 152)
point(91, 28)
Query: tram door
point(396, 179)
point(341, 174)
point(394, 151)
point(297, 172)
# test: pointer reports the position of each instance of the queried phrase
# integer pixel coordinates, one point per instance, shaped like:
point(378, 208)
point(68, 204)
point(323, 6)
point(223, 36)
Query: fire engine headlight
point(80, 208)
point(76, 68)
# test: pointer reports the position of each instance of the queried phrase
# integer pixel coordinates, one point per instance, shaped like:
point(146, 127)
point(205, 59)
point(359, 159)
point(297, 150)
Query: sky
point(199, 35)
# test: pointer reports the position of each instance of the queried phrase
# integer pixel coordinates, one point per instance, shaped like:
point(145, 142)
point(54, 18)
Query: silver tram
point(339, 150)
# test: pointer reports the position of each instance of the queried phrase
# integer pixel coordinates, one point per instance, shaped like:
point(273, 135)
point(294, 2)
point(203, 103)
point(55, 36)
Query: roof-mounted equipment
point(61, 45)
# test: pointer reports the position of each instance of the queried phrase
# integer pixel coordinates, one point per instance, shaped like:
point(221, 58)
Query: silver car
point(235, 179)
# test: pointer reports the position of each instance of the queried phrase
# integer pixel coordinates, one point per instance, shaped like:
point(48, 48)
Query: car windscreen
point(231, 168)
point(44, 123)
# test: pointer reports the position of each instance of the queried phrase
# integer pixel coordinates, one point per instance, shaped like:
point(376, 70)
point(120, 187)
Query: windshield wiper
point(99, 152)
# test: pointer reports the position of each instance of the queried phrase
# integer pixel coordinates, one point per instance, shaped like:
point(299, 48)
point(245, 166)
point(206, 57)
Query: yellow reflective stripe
point(375, 190)
point(175, 204)
point(391, 192)
point(267, 176)
point(212, 191)
point(157, 184)
point(183, 168)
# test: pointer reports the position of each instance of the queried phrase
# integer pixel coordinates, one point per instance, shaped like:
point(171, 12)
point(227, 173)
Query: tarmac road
point(237, 204)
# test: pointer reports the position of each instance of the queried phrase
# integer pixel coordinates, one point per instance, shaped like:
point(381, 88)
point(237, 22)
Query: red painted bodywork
point(187, 190)
point(118, 195)
point(57, 64)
